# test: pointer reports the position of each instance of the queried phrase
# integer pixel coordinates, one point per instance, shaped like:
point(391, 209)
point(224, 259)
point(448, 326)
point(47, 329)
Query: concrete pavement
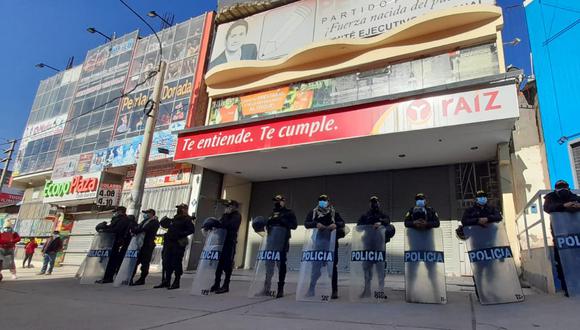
point(59, 302)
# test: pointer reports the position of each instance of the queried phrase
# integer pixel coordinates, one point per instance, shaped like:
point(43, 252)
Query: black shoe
point(334, 295)
point(162, 285)
point(175, 284)
point(280, 292)
point(365, 294)
point(214, 288)
point(223, 289)
point(104, 281)
point(140, 281)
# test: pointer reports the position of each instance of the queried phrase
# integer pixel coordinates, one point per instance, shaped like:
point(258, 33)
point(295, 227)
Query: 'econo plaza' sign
point(71, 188)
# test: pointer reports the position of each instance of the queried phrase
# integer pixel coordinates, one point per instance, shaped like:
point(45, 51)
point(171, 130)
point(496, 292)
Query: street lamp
point(93, 30)
point(153, 13)
point(514, 42)
point(43, 65)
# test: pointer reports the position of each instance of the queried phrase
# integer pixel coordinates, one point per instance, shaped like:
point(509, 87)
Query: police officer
point(120, 226)
point(421, 216)
point(282, 217)
point(324, 217)
point(149, 226)
point(230, 221)
point(562, 199)
point(481, 213)
point(377, 218)
point(174, 243)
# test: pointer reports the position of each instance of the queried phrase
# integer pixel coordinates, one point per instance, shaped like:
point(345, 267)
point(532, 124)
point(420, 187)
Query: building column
point(507, 198)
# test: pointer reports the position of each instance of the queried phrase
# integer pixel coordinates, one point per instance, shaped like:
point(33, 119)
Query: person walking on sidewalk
point(174, 243)
point(29, 249)
point(149, 226)
point(50, 250)
point(8, 240)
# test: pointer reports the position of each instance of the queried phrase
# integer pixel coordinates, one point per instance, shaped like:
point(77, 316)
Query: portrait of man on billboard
point(236, 48)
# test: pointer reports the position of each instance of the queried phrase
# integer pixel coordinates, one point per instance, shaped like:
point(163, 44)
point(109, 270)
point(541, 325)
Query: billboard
point(93, 112)
point(46, 122)
point(450, 67)
point(460, 108)
point(161, 175)
point(71, 188)
point(181, 50)
point(281, 31)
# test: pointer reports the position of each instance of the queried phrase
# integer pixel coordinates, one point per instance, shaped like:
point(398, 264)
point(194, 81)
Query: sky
point(34, 31)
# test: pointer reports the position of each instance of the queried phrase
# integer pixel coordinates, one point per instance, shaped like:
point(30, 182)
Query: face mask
point(115, 214)
point(55, 235)
point(564, 192)
point(145, 216)
point(481, 200)
point(277, 205)
point(323, 204)
point(7, 230)
point(374, 205)
point(420, 203)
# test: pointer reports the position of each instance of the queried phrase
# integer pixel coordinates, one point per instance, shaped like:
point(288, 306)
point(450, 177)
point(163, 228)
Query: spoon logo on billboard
point(78, 184)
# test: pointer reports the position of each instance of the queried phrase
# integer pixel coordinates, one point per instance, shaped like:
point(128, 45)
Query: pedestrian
point(149, 227)
point(377, 218)
point(421, 216)
point(8, 240)
point(280, 217)
point(325, 218)
point(174, 243)
point(562, 199)
point(50, 251)
point(230, 221)
point(29, 249)
point(120, 225)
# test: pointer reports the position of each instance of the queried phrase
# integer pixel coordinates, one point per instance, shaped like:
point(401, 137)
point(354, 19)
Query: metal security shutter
point(81, 236)
point(162, 199)
point(576, 161)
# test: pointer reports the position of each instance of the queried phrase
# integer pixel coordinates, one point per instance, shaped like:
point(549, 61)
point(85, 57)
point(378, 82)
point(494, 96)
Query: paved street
point(59, 302)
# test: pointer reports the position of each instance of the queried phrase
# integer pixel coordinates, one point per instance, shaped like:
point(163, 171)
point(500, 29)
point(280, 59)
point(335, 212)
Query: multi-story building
point(80, 146)
point(354, 99)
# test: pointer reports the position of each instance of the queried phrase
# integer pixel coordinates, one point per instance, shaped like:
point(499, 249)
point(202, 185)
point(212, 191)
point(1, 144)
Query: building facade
point(354, 99)
point(553, 37)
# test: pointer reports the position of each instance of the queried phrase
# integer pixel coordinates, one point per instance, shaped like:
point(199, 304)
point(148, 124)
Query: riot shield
point(367, 264)
point(97, 258)
point(272, 252)
point(566, 227)
point(208, 262)
point(125, 273)
point(494, 271)
point(315, 277)
point(425, 266)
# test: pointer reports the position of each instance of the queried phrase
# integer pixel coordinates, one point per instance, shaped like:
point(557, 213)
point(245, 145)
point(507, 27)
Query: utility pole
point(140, 170)
point(7, 160)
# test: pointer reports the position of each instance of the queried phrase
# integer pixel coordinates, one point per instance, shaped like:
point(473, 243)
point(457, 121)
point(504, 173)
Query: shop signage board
point(279, 32)
point(109, 194)
point(72, 188)
point(461, 108)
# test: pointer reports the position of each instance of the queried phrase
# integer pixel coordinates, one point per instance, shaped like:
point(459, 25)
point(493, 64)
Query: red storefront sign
point(423, 113)
point(9, 199)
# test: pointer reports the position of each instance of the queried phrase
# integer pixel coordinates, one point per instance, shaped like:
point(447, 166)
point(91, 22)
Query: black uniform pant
point(271, 266)
point(144, 259)
point(172, 261)
point(317, 271)
point(225, 264)
point(115, 260)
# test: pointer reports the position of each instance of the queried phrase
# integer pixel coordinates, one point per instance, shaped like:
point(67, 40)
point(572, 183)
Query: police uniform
point(149, 227)
point(231, 223)
point(174, 243)
point(280, 217)
point(120, 226)
point(313, 218)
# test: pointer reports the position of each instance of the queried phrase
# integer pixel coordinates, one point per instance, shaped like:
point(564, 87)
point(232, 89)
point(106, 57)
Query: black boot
point(280, 292)
point(175, 284)
point(225, 288)
point(215, 286)
point(163, 284)
point(140, 281)
point(334, 295)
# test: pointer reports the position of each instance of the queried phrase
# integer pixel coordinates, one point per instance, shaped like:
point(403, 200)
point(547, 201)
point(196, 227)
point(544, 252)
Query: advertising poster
point(71, 188)
point(281, 31)
point(65, 167)
point(181, 49)
point(460, 108)
point(162, 175)
point(357, 87)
